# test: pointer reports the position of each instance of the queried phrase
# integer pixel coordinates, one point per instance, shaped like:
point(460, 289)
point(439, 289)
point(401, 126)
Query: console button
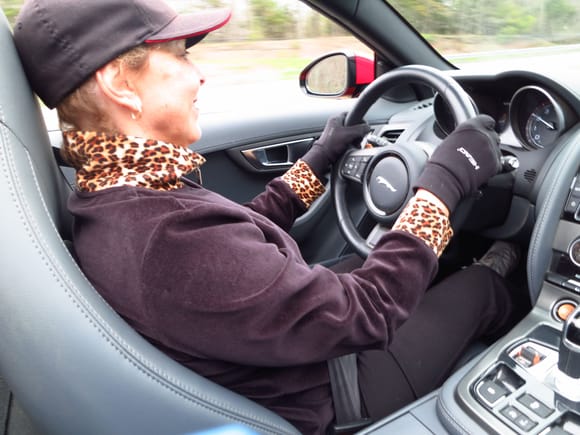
point(571, 284)
point(491, 391)
point(511, 413)
point(555, 278)
point(519, 419)
point(563, 310)
point(525, 423)
point(528, 356)
point(572, 205)
point(576, 187)
point(535, 405)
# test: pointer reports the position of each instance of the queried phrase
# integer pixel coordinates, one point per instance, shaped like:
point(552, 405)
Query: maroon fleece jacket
point(223, 289)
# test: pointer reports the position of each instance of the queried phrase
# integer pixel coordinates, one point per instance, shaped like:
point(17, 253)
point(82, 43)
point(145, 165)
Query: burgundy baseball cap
point(63, 42)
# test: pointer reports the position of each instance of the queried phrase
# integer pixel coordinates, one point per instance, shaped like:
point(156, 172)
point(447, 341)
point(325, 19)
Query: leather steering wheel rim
point(456, 98)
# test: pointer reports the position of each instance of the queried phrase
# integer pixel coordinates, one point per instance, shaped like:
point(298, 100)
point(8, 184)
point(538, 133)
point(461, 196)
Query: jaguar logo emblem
point(382, 180)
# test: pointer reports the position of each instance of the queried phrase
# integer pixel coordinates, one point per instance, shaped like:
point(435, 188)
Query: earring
point(138, 110)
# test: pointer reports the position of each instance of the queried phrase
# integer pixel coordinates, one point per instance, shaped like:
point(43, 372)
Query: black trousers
point(466, 306)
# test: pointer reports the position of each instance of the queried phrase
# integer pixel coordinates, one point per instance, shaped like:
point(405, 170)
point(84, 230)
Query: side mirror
point(337, 75)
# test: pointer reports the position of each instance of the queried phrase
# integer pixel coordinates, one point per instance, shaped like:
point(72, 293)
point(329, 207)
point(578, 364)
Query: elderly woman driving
point(221, 287)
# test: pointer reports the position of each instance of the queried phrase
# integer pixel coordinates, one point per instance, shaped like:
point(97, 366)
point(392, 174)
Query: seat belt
point(343, 373)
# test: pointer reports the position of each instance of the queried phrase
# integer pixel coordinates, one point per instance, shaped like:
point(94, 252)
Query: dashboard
point(530, 114)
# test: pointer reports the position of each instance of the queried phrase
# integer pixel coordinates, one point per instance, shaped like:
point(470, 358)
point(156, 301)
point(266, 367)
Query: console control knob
point(569, 359)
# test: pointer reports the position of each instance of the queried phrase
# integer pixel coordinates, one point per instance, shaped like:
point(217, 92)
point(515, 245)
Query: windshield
point(499, 34)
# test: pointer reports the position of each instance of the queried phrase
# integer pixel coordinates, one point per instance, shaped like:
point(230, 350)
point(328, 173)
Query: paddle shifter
point(569, 359)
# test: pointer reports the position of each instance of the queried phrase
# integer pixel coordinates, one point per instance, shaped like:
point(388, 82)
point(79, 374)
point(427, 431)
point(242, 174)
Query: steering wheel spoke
point(376, 233)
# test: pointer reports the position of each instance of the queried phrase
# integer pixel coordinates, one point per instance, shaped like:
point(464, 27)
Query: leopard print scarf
point(103, 161)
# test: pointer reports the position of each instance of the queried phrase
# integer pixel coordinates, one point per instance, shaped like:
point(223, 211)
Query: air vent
point(530, 175)
point(392, 135)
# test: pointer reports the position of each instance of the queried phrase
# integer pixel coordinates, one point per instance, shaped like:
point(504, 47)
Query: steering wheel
point(387, 173)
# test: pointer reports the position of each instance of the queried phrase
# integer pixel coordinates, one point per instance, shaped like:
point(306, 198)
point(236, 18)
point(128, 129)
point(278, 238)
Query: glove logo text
point(469, 157)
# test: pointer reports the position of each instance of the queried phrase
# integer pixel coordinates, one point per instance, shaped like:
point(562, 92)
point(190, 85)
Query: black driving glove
point(465, 160)
point(332, 144)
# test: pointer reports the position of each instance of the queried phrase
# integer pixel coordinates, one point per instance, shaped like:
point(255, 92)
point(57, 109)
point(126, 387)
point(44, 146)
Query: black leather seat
point(74, 365)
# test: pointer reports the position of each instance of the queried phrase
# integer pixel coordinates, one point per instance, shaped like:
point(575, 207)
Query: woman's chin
point(195, 137)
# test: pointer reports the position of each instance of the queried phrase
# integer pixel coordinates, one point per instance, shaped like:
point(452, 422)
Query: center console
point(529, 383)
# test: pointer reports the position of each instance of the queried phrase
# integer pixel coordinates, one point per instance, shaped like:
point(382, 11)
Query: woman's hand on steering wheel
point(333, 143)
point(465, 160)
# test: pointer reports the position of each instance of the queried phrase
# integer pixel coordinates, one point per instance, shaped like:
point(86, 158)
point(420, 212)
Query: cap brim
point(191, 27)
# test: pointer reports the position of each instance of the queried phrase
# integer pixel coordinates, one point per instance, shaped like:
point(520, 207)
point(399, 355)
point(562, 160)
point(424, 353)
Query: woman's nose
point(199, 74)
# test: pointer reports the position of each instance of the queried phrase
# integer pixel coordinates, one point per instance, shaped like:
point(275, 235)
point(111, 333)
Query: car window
point(255, 60)
point(499, 34)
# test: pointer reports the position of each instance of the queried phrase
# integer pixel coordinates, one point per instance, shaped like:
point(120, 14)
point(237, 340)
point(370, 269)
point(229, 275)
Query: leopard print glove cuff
point(426, 220)
point(304, 183)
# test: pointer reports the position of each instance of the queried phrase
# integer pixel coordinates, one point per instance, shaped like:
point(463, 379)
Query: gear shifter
point(569, 359)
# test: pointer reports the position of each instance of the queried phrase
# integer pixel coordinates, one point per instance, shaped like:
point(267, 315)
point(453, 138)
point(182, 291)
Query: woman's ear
point(114, 84)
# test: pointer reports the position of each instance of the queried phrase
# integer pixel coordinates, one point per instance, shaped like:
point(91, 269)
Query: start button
point(563, 309)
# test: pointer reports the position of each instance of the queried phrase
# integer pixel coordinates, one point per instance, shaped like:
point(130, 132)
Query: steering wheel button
point(347, 168)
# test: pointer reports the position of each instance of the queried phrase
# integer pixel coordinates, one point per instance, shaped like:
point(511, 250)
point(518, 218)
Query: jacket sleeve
point(241, 292)
point(288, 197)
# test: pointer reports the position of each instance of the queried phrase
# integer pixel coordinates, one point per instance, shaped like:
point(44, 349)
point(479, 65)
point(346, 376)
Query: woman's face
point(168, 89)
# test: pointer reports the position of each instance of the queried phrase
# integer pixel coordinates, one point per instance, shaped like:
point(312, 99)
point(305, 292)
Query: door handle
point(277, 156)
